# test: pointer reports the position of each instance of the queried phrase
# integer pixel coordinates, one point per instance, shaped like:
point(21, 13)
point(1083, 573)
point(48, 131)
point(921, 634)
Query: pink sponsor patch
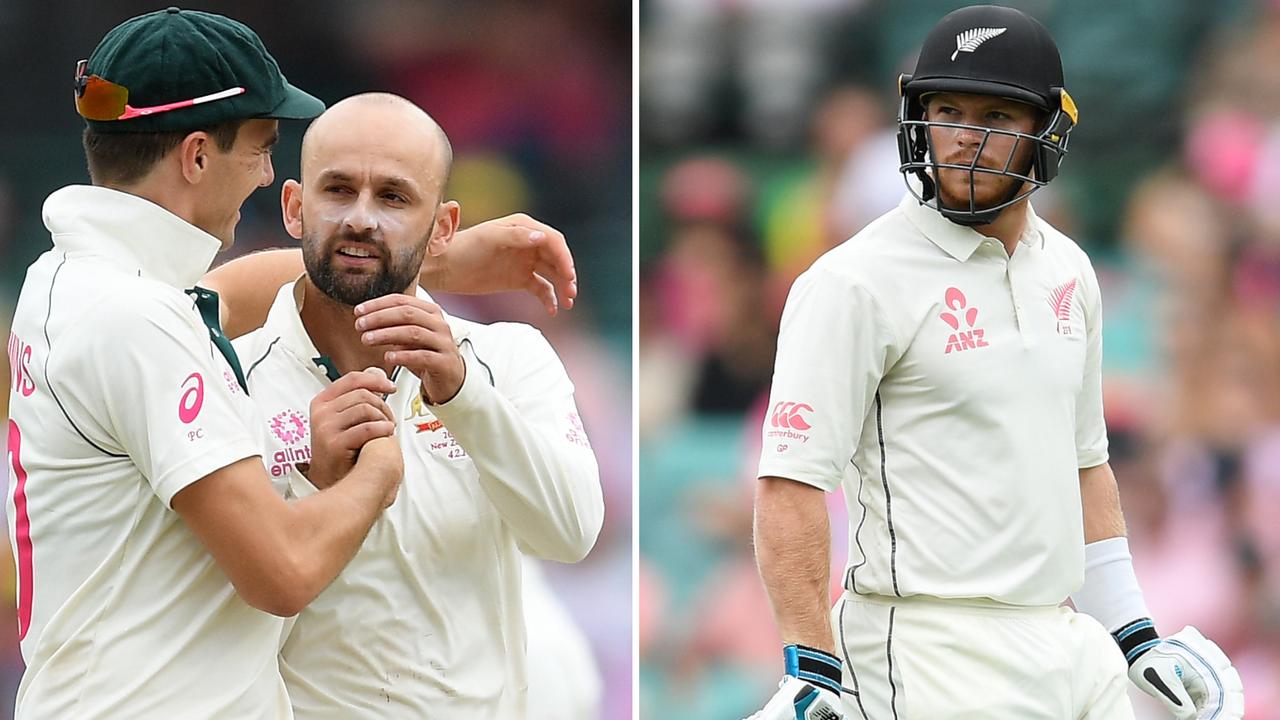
point(961, 340)
point(289, 426)
point(192, 399)
point(788, 415)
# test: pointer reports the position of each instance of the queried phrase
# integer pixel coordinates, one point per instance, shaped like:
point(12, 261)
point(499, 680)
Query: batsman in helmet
point(948, 362)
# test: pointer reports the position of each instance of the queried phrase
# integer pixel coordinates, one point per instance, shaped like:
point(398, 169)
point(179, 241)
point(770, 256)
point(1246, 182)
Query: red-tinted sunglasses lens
point(99, 99)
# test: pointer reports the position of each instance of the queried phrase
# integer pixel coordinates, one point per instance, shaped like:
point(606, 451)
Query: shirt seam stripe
point(888, 498)
point(259, 360)
point(49, 344)
point(888, 651)
point(851, 582)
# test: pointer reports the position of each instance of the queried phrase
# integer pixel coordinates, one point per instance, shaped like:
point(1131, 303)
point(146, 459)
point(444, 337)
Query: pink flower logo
point(289, 426)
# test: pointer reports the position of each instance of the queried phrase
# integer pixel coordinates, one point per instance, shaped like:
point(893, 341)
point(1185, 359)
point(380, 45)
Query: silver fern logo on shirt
point(1060, 300)
point(971, 39)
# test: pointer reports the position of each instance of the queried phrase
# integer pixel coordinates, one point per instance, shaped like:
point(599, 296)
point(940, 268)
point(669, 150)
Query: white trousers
point(929, 659)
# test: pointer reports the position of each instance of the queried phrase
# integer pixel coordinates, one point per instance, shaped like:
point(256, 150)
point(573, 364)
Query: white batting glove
point(809, 691)
point(1191, 676)
point(798, 699)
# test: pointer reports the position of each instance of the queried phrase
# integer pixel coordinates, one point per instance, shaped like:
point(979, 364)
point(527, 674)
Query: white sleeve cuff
point(1110, 592)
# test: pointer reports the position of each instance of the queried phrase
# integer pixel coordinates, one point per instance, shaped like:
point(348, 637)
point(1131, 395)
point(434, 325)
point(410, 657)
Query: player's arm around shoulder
point(515, 252)
point(515, 416)
point(280, 555)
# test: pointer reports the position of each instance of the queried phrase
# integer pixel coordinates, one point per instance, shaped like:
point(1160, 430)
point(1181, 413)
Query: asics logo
point(787, 415)
point(969, 40)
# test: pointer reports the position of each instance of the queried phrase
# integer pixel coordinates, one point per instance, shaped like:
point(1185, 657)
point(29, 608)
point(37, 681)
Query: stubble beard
point(395, 274)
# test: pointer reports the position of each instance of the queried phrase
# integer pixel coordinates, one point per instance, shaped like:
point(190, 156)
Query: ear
point(193, 153)
point(291, 208)
point(445, 227)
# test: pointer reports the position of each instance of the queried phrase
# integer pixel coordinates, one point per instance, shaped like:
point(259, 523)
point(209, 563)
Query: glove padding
point(799, 700)
point(1191, 676)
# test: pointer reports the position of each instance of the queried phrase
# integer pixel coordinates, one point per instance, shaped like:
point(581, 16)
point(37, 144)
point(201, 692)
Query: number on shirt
point(21, 529)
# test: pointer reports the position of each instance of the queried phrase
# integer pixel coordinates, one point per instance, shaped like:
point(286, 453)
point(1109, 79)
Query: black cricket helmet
point(986, 50)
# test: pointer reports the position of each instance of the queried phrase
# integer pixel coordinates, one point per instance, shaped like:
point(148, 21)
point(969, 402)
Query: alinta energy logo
point(290, 427)
point(957, 308)
point(789, 422)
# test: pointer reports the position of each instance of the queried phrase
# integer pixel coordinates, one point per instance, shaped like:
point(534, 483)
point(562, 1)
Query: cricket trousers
point(919, 658)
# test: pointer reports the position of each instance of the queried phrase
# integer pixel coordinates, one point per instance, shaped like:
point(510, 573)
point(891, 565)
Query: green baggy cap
point(173, 55)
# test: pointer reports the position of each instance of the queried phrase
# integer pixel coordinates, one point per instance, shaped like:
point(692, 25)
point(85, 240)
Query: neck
point(1008, 226)
point(332, 327)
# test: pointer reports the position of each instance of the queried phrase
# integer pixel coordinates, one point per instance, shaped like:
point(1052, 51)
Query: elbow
point(579, 545)
point(282, 604)
point(281, 591)
point(578, 540)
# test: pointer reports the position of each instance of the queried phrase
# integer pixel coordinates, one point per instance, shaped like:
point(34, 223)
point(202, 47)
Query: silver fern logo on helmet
point(969, 40)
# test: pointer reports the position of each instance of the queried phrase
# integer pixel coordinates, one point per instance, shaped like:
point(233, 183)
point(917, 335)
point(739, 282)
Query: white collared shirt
point(954, 391)
point(123, 402)
point(427, 619)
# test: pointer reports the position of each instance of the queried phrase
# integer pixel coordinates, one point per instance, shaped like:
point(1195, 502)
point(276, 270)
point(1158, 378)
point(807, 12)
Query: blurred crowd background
point(767, 137)
point(536, 98)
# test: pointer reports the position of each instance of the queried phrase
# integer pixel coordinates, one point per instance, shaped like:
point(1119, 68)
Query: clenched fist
point(344, 417)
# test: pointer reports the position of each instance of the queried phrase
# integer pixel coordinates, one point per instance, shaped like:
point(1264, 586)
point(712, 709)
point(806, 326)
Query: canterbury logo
point(787, 415)
point(969, 40)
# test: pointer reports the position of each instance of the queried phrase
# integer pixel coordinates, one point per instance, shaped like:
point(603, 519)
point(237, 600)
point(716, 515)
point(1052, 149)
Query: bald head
point(389, 132)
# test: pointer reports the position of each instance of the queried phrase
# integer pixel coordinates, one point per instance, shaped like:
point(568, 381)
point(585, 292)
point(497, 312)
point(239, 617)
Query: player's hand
point(1191, 676)
point(345, 417)
point(797, 699)
point(514, 252)
point(810, 690)
point(417, 338)
point(382, 456)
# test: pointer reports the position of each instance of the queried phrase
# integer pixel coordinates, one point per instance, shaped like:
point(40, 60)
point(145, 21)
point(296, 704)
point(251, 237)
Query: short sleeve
point(833, 350)
point(1091, 428)
point(144, 377)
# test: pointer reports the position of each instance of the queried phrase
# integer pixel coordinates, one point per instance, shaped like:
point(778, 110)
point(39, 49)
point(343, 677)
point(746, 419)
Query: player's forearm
point(545, 485)
point(793, 551)
point(1100, 502)
point(321, 535)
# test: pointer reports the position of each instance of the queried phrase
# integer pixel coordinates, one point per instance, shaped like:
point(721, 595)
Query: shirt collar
point(957, 240)
point(129, 231)
point(284, 320)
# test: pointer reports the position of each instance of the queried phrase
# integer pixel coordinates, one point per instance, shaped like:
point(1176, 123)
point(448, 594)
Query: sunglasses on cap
point(101, 99)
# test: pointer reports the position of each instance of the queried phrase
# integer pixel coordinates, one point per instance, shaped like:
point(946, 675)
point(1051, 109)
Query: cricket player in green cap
point(155, 559)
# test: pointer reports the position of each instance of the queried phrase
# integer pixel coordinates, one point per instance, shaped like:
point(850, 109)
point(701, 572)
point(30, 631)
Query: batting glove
point(809, 691)
point(1188, 673)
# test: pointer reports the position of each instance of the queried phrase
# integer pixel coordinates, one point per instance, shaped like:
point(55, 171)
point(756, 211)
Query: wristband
point(1110, 594)
point(813, 666)
point(1136, 638)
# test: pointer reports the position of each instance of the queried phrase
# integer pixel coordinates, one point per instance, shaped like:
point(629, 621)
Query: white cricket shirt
point(123, 401)
point(954, 391)
point(427, 619)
